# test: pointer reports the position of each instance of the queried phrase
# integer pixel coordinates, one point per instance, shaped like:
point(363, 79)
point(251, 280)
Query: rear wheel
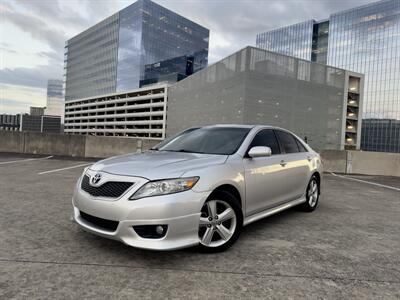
point(221, 222)
point(312, 195)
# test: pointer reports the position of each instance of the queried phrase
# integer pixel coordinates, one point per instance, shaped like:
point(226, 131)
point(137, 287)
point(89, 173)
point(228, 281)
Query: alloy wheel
point(312, 193)
point(217, 223)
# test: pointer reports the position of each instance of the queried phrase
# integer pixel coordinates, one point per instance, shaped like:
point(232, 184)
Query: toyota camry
point(198, 188)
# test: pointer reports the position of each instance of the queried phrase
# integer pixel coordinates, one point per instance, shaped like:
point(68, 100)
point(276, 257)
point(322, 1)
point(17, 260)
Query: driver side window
point(266, 138)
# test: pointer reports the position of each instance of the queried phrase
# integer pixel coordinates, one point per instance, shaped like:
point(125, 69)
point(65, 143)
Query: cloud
point(52, 56)
point(232, 24)
point(238, 22)
point(6, 49)
point(12, 102)
point(17, 99)
point(32, 77)
point(51, 24)
point(74, 17)
point(36, 27)
point(11, 106)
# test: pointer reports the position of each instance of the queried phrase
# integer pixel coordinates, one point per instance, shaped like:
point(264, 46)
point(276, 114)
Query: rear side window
point(287, 141)
point(266, 138)
point(301, 147)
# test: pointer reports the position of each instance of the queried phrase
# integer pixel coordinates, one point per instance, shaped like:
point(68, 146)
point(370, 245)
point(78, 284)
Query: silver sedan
point(199, 187)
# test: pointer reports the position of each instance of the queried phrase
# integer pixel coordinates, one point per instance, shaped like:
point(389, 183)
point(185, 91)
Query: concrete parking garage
point(348, 247)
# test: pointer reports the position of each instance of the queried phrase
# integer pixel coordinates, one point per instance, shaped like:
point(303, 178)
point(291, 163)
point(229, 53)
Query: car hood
point(157, 164)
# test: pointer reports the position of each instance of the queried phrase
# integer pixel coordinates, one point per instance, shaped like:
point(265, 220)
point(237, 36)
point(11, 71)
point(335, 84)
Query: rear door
point(295, 160)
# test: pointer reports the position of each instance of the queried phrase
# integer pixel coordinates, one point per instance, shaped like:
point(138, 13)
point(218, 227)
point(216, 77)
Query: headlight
point(164, 187)
point(80, 177)
point(84, 172)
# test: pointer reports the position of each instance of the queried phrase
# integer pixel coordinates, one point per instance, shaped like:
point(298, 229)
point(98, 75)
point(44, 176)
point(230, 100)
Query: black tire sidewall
point(234, 203)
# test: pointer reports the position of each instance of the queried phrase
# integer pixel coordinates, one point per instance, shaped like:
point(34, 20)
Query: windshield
point(209, 140)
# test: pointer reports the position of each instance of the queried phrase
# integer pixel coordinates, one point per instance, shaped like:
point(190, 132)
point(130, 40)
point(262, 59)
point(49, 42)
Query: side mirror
point(260, 151)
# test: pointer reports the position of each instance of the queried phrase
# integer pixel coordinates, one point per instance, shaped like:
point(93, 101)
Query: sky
point(33, 33)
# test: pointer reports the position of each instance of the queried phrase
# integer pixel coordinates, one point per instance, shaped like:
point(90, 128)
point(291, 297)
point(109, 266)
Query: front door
point(265, 176)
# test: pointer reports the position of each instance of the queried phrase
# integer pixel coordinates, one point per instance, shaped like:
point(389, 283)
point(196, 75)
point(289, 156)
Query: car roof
point(240, 126)
point(229, 125)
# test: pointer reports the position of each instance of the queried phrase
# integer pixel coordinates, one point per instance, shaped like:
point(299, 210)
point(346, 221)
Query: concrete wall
point(301, 96)
point(350, 162)
point(54, 144)
point(96, 146)
point(207, 97)
point(70, 145)
point(361, 162)
point(11, 141)
point(334, 160)
point(373, 163)
point(254, 86)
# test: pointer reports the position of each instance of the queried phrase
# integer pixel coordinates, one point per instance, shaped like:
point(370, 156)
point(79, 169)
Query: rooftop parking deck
point(348, 248)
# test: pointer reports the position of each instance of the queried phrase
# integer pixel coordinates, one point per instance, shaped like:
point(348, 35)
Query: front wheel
point(220, 223)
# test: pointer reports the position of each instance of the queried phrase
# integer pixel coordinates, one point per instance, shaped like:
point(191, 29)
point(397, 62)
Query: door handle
point(282, 163)
point(309, 158)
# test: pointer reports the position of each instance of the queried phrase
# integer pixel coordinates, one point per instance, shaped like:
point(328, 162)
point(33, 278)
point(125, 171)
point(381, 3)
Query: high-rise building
point(55, 98)
point(29, 122)
point(111, 56)
point(36, 110)
point(364, 39)
point(174, 69)
point(391, 130)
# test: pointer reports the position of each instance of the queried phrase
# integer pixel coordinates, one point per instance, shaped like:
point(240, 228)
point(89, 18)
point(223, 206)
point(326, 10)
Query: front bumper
point(180, 212)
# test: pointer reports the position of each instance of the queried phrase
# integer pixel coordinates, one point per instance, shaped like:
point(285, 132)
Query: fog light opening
point(151, 231)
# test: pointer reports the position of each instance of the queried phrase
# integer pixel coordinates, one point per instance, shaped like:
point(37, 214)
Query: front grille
point(99, 222)
point(110, 189)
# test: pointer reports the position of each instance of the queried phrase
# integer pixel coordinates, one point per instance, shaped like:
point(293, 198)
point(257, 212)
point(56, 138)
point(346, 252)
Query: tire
point(216, 235)
point(312, 195)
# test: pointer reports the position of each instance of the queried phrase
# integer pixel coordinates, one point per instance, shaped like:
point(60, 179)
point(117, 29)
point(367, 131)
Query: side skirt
point(272, 211)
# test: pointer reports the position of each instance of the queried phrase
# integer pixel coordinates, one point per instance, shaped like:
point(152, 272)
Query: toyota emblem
point(96, 178)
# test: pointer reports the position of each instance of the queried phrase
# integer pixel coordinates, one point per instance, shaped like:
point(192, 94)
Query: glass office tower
point(55, 97)
point(174, 69)
point(295, 40)
point(90, 60)
point(54, 89)
point(111, 56)
point(366, 40)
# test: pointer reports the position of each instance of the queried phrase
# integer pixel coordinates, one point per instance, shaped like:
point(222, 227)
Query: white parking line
point(62, 169)
point(369, 182)
point(24, 160)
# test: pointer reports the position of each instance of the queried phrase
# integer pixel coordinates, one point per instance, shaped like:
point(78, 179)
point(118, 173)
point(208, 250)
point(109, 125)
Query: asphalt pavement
point(348, 248)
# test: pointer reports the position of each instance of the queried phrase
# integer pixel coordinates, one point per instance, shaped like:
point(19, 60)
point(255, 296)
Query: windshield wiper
point(185, 151)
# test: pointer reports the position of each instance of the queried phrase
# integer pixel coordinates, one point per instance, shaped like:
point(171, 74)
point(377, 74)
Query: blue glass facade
point(174, 69)
point(129, 47)
point(366, 40)
point(150, 33)
point(55, 88)
point(167, 35)
point(90, 60)
point(111, 56)
point(320, 42)
point(295, 40)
